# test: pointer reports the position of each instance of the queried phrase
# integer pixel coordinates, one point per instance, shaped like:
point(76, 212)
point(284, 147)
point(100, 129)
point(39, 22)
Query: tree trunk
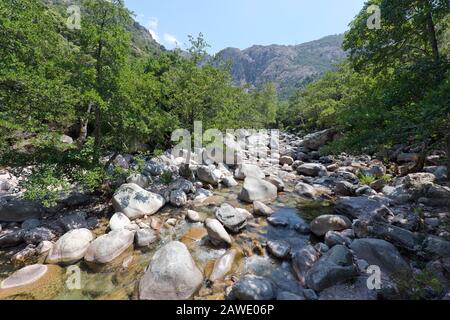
point(432, 35)
point(84, 127)
point(98, 129)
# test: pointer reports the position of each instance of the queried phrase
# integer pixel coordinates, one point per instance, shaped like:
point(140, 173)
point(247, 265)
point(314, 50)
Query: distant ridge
point(288, 67)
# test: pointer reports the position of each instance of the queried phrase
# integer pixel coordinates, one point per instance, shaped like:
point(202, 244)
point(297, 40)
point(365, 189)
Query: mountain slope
point(288, 67)
point(142, 41)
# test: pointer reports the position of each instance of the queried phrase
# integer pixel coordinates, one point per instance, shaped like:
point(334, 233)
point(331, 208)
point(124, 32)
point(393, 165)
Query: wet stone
point(279, 249)
point(252, 287)
point(231, 218)
point(145, 237)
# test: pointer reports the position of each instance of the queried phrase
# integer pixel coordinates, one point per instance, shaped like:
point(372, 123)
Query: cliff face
point(288, 67)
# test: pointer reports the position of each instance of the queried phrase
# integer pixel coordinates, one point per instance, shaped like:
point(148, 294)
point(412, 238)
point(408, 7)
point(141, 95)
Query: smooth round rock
point(34, 282)
point(119, 221)
point(24, 276)
point(260, 209)
point(229, 182)
point(223, 265)
point(145, 237)
point(322, 224)
point(194, 216)
point(178, 198)
point(279, 249)
point(136, 202)
point(252, 287)
point(171, 275)
point(248, 170)
point(71, 247)
point(106, 248)
point(217, 233)
point(255, 189)
point(231, 218)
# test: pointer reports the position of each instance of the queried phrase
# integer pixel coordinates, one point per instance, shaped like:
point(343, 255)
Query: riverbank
point(294, 226)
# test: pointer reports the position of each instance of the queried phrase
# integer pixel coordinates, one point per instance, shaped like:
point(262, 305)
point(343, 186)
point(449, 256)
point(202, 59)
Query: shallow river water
point(119, 280)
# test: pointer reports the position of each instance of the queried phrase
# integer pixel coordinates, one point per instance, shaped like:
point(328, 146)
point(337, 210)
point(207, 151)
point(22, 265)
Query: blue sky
point(243, 23)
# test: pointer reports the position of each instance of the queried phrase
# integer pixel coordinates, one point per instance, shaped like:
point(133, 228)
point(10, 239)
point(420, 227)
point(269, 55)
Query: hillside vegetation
point(288, 67)
point(93, 85)
point(113, 89)
point(394, 87)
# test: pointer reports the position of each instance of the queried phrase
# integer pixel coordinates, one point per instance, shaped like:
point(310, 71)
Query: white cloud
point(152, 26)
point(153, 23)
point(171, 40)
point(154, 35)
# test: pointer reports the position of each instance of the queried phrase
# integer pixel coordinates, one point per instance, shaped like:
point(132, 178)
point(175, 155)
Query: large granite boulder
point(336, 266)
point(136, 202)
point(322, 224)
point(255, 189)
point(223, 265)
point(33, 282)
point(380, 253)
point(312, 170)
point(217, 233)
point(248, 170)
point(108, 247)
point(419, 180)
point(20, 210)
point(71, 247)
point(316, 140)
point(171, 275)
point(357, 207)
point(252, 287)
point(350, 291)
point(209, 174)
point(231, 218)
point(303, 260)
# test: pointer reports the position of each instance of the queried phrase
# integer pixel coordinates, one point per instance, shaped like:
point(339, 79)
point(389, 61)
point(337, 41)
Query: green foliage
point(91, 83)
point(158, 152)
point(265, 105)
point(35, 68)
point(366, 179)
point(395, 86)
point(408, 30)
point(167, 177)
point(90, 179)
point(45, 185)
point(419, 212)
point(387, 178)
point(423, 285)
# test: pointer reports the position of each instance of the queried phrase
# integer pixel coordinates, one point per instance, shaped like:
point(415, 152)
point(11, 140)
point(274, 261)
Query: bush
point(366, 179)
point(167, 177)
point(45, 185)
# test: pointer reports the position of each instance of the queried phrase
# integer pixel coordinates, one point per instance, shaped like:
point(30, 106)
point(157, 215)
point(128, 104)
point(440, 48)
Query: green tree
point(266, 104)
point(410, 31)
point(35, 66)
point(103, 38)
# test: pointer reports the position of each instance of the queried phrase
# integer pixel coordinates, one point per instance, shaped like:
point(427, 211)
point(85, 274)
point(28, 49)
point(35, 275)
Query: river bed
point(118, 281)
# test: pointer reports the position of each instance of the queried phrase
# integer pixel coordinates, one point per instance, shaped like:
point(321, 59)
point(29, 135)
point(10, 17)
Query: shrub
point(45, 185)
point(167, 177)
point(366, 179)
